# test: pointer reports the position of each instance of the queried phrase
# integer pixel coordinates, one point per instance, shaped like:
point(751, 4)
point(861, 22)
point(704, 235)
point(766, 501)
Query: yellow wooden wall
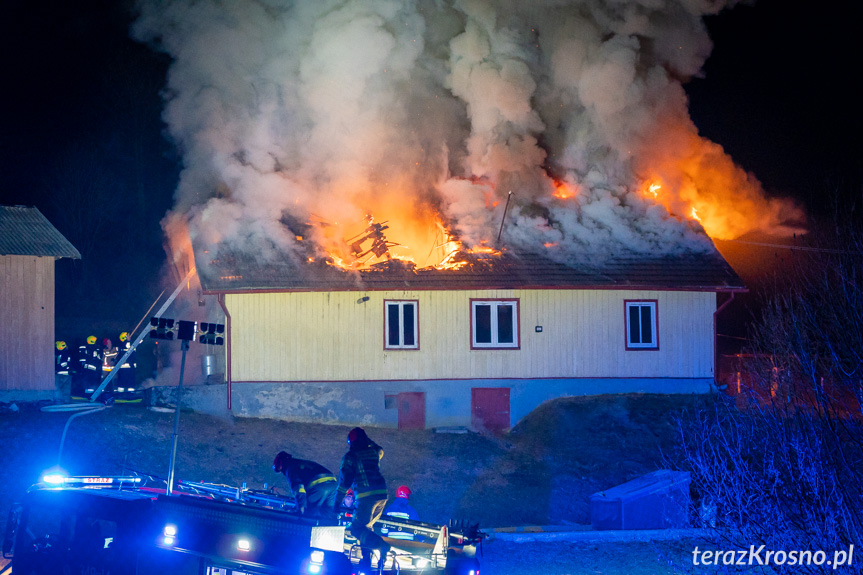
point(26, 323)
point(310, 336)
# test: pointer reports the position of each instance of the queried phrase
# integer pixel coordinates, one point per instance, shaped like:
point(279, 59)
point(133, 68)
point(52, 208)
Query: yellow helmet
point(124, 336)
point(91, 340)
point(61, 345)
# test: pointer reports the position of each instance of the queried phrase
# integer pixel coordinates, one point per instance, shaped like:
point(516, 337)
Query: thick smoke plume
point(297, 120)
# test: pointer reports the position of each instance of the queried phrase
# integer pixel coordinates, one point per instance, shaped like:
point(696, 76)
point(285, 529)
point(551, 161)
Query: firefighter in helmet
point(402, 509)
point(63, 369)
point(90, 364)
point(109, 356)
point(312, 485)
point(126, 376)
point(62, 358)
point(360, 470)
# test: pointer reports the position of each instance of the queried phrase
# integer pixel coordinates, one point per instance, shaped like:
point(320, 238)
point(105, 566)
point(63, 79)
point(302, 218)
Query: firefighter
point(312, 485)
point(126, 376)
point(62, 369)
point(109, 356)
point(90, 364)
point(401, 509)
point(360, 471)
point(62, 358)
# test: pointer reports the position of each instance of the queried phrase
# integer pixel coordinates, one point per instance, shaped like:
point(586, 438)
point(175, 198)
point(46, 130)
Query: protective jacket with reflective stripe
point(307, 476)
point(360, 470)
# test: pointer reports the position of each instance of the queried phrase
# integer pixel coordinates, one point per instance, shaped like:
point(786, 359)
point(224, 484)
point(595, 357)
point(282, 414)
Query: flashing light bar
point(244, 545)
point(53, 479)
point(62, 479)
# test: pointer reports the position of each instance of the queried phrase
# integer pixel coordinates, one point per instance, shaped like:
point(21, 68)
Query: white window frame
point(401, 307)
point(652, 305)
point(495, 344)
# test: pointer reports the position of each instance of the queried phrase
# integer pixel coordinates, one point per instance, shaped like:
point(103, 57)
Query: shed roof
point(235, 273)
point(24, 231)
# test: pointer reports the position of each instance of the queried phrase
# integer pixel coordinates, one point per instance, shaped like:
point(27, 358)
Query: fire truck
point(134, 525)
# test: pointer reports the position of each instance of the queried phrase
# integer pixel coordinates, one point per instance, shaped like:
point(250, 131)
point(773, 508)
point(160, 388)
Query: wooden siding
point(27, 326)
point(329, 336)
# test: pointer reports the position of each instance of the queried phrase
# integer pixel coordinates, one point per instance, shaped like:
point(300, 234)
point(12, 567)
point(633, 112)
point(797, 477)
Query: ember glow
point(302, 124)
point(562, 191)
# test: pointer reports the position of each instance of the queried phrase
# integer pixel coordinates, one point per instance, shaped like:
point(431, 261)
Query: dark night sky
point(780, 93)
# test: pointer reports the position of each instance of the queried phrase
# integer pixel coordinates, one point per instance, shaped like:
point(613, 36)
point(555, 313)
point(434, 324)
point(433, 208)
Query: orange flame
point(484, 250)
point(563, 191)
point(694, 214)
point(700, 181)
point(179, 245)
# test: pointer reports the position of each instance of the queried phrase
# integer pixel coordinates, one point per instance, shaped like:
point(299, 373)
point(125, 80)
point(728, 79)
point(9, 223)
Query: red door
point(412, 410)
point(489, 408)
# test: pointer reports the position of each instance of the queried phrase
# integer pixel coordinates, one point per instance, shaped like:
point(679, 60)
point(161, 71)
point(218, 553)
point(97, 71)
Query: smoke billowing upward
point(297, 120)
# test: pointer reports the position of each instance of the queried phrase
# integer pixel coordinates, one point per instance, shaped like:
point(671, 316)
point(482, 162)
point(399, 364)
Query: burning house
point(480, 343)
point(425, 213)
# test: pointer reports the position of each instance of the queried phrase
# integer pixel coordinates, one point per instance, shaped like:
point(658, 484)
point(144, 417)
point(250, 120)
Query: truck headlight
point(169, 534)
point(316, 562)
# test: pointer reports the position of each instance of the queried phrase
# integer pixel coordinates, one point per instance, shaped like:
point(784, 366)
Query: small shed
point(29, 247)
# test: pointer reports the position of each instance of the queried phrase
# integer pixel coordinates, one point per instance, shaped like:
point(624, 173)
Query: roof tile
point(24, 231)
point(233, 272)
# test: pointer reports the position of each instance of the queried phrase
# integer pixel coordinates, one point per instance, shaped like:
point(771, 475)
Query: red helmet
point(280, 463)
point(106, 342)
point(355, 433)
point(404, 492)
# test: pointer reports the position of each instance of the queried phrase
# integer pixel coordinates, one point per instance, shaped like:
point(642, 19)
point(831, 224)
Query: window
point(400, 325)
point(641, 325)
point(494, 324)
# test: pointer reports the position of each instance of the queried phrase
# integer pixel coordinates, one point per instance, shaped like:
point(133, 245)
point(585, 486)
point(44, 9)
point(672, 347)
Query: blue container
point(658, 500)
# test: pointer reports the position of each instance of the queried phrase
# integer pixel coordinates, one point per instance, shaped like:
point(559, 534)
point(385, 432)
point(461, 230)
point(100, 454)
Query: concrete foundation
point(447, 402)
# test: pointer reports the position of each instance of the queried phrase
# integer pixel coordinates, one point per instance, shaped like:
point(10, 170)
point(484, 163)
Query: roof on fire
point(24, 231)
point(233, 273)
